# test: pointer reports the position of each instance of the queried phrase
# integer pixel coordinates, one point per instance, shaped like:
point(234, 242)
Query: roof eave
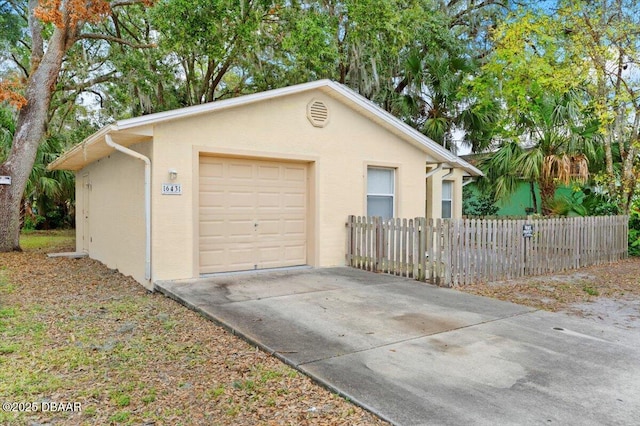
point(58, 163)
point(388, 120)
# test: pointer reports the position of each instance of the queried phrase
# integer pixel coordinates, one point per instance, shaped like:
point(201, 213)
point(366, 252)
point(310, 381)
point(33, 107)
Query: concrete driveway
point(416, 354)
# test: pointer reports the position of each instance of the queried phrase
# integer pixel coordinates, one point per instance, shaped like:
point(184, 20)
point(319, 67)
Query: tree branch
point(122, 3)
point(457, 19)
point(101, 79)
point(93, 36)
point(98, 94)
point(19, 64)
point(37, 42)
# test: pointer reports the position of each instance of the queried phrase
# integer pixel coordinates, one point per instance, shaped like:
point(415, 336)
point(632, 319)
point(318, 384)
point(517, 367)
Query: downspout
point(147, 199)
point(468, 181)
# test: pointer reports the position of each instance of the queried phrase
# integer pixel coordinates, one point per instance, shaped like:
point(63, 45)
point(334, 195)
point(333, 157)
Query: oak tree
point(53, 28)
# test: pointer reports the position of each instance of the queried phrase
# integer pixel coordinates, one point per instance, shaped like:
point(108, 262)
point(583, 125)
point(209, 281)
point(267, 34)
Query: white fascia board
point(90, 140)
point(217, 105)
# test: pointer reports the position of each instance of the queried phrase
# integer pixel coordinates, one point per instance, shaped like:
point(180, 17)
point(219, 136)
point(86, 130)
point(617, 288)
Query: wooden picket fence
point(465, 251)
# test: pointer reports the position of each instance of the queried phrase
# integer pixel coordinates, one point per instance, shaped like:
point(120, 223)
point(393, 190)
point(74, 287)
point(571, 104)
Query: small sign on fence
point(527, 230)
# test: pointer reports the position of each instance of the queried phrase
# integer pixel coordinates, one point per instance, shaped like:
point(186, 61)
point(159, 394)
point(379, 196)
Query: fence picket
point(411, 247)
point(461, 252)
point(421, 227)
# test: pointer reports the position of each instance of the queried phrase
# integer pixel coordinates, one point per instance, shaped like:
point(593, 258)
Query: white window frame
point(450, 200)
point(392, 195)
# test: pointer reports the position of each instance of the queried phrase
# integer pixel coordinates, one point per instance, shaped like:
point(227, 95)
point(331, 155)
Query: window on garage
point(380, 192)
point(447, 199)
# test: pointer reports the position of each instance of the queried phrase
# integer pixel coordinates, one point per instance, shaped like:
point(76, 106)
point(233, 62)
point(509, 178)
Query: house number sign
point(5, 180)
point(171, 189)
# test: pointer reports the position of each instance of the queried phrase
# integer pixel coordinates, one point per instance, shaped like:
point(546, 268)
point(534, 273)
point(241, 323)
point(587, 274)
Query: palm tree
point(432, 99)
point(49, 195)
point(7, 128)
point(559, 138)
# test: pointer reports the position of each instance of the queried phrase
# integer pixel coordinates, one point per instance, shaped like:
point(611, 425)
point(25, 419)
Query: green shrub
point(598, 204)
point(31, 222)
point(634, 231)
point(477, 204)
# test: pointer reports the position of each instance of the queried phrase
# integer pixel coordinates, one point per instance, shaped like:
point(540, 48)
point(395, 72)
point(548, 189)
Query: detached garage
point(260, 181)
point(252, 214)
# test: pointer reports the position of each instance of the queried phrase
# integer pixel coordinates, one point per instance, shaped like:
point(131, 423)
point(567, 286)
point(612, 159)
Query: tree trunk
point(30, 130)
point(534, 199)
point(547, 194)
point(629, 170)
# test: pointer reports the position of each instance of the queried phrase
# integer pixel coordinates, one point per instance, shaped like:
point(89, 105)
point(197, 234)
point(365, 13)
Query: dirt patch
point(609, 293)
point(73, 331)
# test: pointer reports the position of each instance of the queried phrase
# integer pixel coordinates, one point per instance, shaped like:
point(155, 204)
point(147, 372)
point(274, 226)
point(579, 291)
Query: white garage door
point(252, 214)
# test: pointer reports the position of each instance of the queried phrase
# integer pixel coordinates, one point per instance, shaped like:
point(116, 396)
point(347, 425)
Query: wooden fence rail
point(464, 251)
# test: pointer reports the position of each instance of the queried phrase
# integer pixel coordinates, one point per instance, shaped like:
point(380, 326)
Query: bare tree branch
point(93, 36)
point(458, 17)
point(121, 26)
point(81, 87)
point(19, 64)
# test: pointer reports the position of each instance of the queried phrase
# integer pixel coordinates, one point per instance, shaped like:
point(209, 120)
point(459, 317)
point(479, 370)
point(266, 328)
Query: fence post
point(422, 249)
point(349, 251)
point(378, 243)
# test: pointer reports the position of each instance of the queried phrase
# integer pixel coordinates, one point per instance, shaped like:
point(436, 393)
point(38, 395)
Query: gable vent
point(318, 113)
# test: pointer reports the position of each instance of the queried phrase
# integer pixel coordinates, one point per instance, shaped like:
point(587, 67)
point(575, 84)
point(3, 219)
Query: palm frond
point(529, 164)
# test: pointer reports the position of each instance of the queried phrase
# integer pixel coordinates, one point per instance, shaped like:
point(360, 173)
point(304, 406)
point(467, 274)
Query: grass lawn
point(74, 332)
point(48, 240)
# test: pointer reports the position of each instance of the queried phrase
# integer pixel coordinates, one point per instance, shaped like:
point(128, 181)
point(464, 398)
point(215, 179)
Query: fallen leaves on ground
point(73, 330)
point(617, 281)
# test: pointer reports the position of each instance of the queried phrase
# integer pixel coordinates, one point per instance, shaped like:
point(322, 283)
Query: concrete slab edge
point(350, 398)
point(70, 254)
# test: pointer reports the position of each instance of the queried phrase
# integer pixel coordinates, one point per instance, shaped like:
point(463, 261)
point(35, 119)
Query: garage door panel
point(238, 200)
point(239, 172)
point(293, 201)
point(211, 170)
point(268, 200)
point(268, 254)
point(295, 174)
point(268, 173)
point(273, 258)
point(212, 229)
point(241, 255)
point(269, 228)
point(295, 227)
point(240, 230)
point(294, 253)
point(252, 214)
point(213, 258)
point(214, 205)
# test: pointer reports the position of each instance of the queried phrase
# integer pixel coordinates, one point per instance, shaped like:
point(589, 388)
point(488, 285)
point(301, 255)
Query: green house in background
point(520, 203)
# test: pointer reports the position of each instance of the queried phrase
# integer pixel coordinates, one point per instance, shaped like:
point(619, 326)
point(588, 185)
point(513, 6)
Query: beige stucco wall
point(434, 193)
point(338, 155)
point(116, 228)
